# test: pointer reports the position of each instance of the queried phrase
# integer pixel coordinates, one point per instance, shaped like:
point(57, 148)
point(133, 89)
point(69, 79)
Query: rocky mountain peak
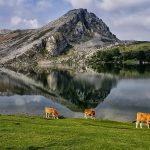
point(83, 25)
point(75, 12)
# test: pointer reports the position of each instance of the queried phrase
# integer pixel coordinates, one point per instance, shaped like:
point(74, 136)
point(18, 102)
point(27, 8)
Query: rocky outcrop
point(56, 44)
point(77, 28)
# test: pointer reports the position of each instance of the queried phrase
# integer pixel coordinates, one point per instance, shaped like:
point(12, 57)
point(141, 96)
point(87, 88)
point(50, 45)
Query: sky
point(127, 19)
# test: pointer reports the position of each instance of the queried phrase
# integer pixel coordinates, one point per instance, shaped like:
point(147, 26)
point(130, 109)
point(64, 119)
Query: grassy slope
point(141, 46)
point(22, 132)
point(134, 47)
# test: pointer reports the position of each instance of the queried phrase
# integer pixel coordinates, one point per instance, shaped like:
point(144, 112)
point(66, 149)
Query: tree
point(141, 57)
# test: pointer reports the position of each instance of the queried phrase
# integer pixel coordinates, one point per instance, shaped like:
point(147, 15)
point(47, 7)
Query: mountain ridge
point(75, 28)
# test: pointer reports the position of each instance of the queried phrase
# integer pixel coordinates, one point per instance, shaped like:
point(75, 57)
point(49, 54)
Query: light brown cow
point(142, 118)
point(89, 112)
point(49, 111)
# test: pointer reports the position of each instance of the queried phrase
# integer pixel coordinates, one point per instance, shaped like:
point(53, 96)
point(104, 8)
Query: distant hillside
point(5, 31)
point(121, 56)
point(77, 29)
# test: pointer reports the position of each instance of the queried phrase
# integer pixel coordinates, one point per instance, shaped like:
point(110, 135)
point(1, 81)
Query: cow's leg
point(148, 124)
point(93, 117)
point(137, 122)
point(140, 124)
point(55, 117)
point(85, 116)
point(46, 114)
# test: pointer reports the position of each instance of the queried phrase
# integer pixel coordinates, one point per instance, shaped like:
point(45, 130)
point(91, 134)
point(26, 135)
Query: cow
point(49, 111)
point(142, 118)
point(89, 112)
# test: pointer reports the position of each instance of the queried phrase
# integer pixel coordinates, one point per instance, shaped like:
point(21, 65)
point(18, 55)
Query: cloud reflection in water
point(124, 101)
point(32, 105)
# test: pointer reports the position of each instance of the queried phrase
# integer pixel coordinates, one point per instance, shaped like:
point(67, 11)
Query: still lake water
point(114, 96)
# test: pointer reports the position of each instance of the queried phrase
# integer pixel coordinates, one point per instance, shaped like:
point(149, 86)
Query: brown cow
point(89, 112)
point(49, 111)
point(142, 118)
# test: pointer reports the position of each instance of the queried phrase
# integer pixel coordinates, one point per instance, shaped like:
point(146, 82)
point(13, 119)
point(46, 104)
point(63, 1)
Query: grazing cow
point(142, 118)
point(89, 112)
point(51, 112)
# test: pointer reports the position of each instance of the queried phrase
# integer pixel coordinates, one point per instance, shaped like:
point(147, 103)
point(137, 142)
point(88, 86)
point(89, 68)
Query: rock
point(56, 44)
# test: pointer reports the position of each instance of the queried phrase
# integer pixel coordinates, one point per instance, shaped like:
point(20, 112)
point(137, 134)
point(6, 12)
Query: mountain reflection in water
point(82, 90)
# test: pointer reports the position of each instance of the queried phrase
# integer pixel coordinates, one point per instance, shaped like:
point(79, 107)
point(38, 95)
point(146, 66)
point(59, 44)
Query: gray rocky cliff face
point(82, 26)
point(75, 28)
point(56, 44)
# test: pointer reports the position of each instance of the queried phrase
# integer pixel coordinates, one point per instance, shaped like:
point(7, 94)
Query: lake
point(115, 95)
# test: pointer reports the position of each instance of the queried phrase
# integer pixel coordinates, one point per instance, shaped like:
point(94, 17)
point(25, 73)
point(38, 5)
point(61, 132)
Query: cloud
point(33, 23)
point(140, 18)
point(15, 20)
point(107, 5)
point(24, 13)
point(11, 3)
point(44, 4)
point(134, 20)
point(110, 5)
point(40, 4)
point(135, 26)
point(30, 23)
point(1, 2)
point(81, 4)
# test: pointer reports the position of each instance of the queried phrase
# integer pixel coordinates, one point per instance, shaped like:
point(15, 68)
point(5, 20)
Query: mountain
point(78, 29)
point(4, 31)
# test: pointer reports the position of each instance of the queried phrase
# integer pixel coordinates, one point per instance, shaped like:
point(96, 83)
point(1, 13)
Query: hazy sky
point(128, 19)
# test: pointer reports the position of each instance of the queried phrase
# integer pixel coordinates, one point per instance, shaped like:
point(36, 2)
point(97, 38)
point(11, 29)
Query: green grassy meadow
point(134, 47)
point(33, 133)
point(139, 46)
